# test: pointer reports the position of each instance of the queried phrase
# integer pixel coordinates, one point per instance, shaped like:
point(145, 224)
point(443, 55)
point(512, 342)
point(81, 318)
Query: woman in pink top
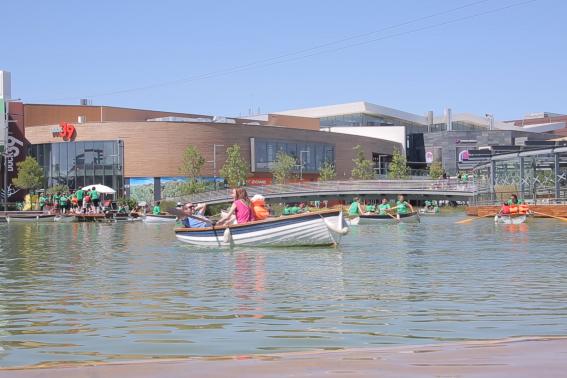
point(241, 208)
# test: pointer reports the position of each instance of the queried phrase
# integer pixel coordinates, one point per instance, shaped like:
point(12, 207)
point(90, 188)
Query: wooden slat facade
point(154, 149)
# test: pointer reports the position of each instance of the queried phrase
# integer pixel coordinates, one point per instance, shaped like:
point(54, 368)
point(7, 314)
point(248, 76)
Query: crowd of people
point(72, 202)
point(357, 208)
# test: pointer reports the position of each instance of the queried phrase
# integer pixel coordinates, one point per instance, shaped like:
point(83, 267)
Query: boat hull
point(506, 219)
point(312, 229)
point(65, 218)
point(377, 219)
point(30, 218)
point(160, 219)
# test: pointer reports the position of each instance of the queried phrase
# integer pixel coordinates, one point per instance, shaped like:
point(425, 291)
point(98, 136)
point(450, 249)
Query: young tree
point(435, 170)
point(235, 169)
point(283, 167)
point(58, 188)
point(192, 163)
point(327, 172)
point(398, 166)
point(30, 175)
point(362, 169)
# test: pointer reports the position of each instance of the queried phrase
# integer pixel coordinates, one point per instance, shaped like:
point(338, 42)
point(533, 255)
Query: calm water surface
point(86, 292)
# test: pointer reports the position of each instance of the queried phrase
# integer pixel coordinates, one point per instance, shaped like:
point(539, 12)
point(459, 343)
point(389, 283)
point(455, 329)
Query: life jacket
point(523, 208)
point(259, 209)
point(514, 209)
point(505, 209)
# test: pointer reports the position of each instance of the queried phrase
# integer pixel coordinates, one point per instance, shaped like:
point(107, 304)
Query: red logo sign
point(65, 131)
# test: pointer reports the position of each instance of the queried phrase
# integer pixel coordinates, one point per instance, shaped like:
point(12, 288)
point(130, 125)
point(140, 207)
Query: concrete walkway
point(519, 357)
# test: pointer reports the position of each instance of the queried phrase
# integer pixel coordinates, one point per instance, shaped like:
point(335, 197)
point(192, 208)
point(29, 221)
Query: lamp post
point(5, 153)
point(214, 161)
point(301, 163)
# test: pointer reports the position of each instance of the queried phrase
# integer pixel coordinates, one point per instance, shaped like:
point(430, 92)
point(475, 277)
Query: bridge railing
point(327, 187)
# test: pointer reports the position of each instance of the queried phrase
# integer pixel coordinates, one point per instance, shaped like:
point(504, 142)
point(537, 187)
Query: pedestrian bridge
point(448, 189)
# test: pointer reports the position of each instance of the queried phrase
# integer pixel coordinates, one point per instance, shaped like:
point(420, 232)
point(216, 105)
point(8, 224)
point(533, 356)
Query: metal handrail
point(445, 185)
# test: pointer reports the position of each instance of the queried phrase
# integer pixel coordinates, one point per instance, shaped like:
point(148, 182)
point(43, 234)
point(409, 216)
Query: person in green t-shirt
point(370, 208)
point(56, 204)
point(42, 201)
point(513, 200)
point(63, 202)
point(286, 210)
point(402, 206)
point(95, 199)
point(384, 207)
point(355, 210)
point(80, 196)
point(156, 210)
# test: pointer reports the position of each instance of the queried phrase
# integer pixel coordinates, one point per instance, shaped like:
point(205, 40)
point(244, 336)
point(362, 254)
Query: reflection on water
point(86, 292)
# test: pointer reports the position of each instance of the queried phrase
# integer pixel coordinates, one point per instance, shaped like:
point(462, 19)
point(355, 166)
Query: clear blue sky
point(508, 62)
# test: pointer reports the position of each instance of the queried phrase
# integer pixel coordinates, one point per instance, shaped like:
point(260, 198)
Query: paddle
point(471, 219)
point(181, 214)
point(393, 217)
point(551, 216)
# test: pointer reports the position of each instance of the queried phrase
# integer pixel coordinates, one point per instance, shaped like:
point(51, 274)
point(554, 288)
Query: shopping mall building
point(140, 151)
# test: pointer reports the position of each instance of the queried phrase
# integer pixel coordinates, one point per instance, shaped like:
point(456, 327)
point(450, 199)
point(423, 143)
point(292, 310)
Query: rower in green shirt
point(402, 206)
point(354, 210)
point(156, 210)
point(384, 207)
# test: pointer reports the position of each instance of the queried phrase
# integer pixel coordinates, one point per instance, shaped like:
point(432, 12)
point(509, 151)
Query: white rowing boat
point(65, 218)
point(377, 218)
point(429, 211)
point(32, 218)
point(308, 229)
point(149, 218)
point(510, 219)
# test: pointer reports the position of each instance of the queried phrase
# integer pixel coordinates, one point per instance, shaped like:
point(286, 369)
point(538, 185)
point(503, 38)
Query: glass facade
point(77, 164)
point(361, 119)
point(308, 155)
point(458, 126)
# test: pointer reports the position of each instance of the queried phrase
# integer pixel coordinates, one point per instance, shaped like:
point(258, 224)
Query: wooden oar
point(471, 219)
point(551, 216)
point(393, 217)
point(181, 214)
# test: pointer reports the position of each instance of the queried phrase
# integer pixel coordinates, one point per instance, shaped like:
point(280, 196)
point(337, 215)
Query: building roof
point(355, 107)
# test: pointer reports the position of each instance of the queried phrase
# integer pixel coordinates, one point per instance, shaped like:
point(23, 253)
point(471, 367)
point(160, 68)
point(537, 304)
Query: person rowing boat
point(355, 210)
point(402, 206)
point(384, 207)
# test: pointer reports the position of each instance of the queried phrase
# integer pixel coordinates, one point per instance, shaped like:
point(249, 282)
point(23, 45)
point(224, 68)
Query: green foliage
point(398, 167)
point(327, 172)
point(235, 169)
point(192, 162)
point(283, 167)
point(30, 175)
point(435, 170)
point(125, 201)
point(59, 188)
point(192, 187)
point(363, 168)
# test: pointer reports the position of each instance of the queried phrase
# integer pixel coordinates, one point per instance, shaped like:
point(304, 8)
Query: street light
point(301, 163)
point(214, 161)
point(490, 118)
point(5, 153)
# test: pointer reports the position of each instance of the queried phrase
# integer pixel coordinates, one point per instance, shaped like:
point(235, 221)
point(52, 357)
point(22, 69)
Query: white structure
point(393, 133)
point(365, 114)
